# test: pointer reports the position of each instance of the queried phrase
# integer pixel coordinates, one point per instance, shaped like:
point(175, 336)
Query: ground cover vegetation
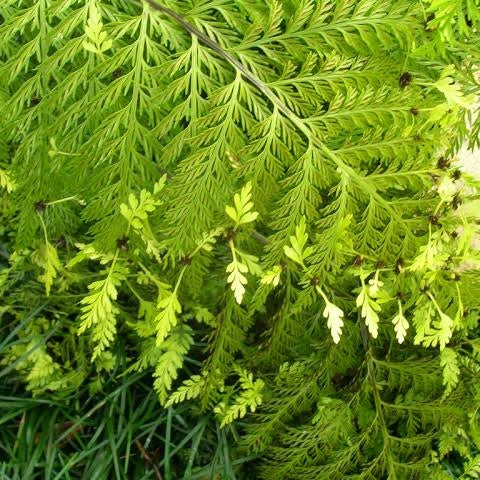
point(236, 240)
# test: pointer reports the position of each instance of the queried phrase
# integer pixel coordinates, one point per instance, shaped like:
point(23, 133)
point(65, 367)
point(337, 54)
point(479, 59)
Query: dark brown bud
point(456, 174)
point(230, 234)
point(398, 265)
point(424, 289)
point(443, 163)
point(380, 264)
point(185, 261)
point(358, 260)
point(122, 243)
point(434, 220)
point(405, 79)
point(314, 281)
point(428, 20)
point(456, 202)
point(41, 206)
point(414, 111)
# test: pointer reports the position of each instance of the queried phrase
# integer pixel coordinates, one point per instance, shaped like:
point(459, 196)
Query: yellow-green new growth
point(47, 258)
point(167, 317)
point(241, 212)
point(272, 276)
point(136, 213)
point(5, 181)
point(334, 316)
point(249, 398)
point(369, 309)
point(400, 324)
point(451, 370)
point(99, 311)
point(296, 251)
point(237, 279)
point(97, 40)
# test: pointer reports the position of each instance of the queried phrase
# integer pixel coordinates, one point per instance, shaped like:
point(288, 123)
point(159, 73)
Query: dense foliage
point(260, 203)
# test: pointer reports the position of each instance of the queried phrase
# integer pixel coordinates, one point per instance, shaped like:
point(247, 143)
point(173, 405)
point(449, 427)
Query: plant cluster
point(260, 203)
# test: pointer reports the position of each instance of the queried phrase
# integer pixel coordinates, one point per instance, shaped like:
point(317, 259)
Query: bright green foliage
point(167, 317)
point(401, 324)
point(272, 276)
point(297, 252)
point(99, 310)
point(136, 213)
point(241, 213)
point(369, 310)
point(249, 398)
point(191, 388)
point(334, 316)
point(97, 41)
point(170, 361)
point(472, 468)
point(452, 18)
point(236, 269)
point(261, 203)
point(46, 257)
point(451, 372)
point(5, 181)
point(241, 264)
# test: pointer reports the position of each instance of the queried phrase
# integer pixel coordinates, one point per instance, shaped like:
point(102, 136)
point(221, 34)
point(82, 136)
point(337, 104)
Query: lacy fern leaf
point(99, 310)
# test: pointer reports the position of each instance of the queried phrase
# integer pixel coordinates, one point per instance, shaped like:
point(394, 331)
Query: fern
point(99, 311)
point(262, 203)
point(249, 399)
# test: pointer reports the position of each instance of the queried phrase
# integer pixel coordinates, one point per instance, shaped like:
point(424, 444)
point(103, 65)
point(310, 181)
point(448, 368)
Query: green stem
point(377, 399)
point(66, 199)
point(44, 227)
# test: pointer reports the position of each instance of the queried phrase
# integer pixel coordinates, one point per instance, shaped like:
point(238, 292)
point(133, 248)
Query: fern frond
point(99, 311)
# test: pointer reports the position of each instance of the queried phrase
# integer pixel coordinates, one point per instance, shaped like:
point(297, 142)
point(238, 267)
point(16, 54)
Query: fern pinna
point(262, 200)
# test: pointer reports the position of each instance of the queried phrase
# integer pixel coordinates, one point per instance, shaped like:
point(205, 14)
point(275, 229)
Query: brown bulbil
point(398, 265)
point(185, 261)
point(380, 264)
point(443, 163)
point(456, 202)
point(405, 79)
point(358, 260)
point(41, 206)
point(122, 243)
point(456, 174)
point(230, 234)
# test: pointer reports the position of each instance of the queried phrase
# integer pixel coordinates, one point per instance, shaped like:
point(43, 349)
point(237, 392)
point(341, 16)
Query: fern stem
point(44, 227)
point(66, 199)
point(253, 79)
point(377, 399)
